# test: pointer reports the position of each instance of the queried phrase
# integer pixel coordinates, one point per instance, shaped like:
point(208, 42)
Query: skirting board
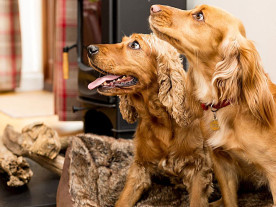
point(31, 82)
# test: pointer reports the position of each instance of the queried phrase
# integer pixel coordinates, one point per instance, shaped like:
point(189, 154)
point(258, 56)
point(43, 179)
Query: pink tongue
point(101, 80)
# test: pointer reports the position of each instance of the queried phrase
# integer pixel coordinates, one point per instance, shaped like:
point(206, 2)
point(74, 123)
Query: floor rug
point(27, 104)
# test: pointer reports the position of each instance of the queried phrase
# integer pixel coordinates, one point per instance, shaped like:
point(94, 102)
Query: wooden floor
point(15, 99)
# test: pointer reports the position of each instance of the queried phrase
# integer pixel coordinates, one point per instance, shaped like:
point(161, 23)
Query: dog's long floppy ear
point(171, 79)
point(240, 78)
point(127, 109)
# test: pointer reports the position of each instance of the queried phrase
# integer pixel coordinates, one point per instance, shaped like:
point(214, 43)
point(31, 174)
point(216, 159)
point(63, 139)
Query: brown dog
point(228, 79)
point(148, 76)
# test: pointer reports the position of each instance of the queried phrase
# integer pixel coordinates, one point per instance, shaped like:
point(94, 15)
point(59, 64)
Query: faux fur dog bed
point(94, 174)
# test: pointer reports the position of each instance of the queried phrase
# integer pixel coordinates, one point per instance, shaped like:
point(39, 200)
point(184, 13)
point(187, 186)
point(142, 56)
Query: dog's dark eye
point(134, 45)
point(199, 16)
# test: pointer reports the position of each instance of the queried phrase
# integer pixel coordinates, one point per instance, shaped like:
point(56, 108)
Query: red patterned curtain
point(10, 45)
point(66, 91)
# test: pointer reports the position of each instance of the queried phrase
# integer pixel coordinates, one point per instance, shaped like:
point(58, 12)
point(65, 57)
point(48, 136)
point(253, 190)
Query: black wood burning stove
point(107, 21)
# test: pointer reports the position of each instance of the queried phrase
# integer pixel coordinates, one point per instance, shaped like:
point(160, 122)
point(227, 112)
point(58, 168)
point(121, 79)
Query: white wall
point(31, 37)
point(259, 20)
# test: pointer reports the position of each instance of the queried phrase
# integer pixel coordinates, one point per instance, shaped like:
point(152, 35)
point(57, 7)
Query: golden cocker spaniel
point(237, 96)
point(148, 76)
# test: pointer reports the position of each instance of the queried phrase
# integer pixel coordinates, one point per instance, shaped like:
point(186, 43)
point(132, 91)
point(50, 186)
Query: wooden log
point(55, 165)
point(35, 138)
point(65, 141)
point(16, 167)
point(37, 142)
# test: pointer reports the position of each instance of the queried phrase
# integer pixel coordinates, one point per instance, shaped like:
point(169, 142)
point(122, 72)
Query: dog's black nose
point(92, 49)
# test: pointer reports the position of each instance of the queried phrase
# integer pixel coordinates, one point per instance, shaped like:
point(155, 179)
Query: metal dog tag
point(214, 124)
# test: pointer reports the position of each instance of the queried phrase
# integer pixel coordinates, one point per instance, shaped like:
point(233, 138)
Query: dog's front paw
point(217, 203)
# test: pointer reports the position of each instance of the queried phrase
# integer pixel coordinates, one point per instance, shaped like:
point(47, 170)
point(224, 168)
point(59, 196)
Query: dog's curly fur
point(127, 109)
point(168, 140)
point(225, 66)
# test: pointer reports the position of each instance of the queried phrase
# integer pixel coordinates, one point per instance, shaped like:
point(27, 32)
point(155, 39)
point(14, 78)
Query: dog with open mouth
point(237, 96)
point(148, 76)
